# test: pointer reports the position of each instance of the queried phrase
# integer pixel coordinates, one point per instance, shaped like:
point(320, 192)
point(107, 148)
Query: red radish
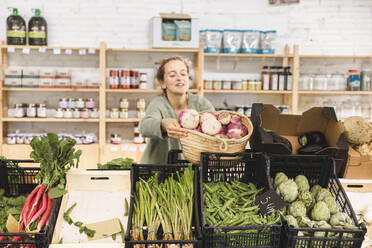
point(45, 218)
point(235, 119)
point(27, 205)
point(34, 205)
point(224, 117)
point(40, 211)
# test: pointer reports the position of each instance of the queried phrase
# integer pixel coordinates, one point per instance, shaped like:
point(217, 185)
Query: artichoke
point(291, 221)
point(288, 190)
point(280, 177)
point(321, 224)
point(315, 189)
point(320, 212)
point(304, 221)
point(331, 203)
point(322, 193)
point(340, 219)
point(302, 183)
point(307, 198)
point(297, 208)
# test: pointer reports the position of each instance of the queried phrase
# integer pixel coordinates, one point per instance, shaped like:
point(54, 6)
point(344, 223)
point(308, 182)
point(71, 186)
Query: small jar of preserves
point(11, 139)
point(20, 139)
point(114, 113)
point(41, 111)
point(89, 103)
point(79, 103)
point(19, 111)
point(76, 113)
point(236, 85)
point(84, 113)
point(59, 113)
point(115, 138)
point(124, 113)
point(31, 110)
point(226, 85)
point(62, 103)
point(217, 85)
point(124, 104)
point(208, 84)
point(141, 104)
point(94, 113)
point(67, 113)
point(71, 103)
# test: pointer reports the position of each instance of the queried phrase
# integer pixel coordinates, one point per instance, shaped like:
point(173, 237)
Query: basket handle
point(223, 145)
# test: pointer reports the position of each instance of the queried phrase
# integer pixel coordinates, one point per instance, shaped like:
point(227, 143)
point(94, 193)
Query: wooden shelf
point(48, 47)
point(154, 50)
point(329, 92)
point(243, 55)
point(334, 57)
point(129, 120)
point(249, 91)
point(140, 91)
point(25, 119)
point(51, 89)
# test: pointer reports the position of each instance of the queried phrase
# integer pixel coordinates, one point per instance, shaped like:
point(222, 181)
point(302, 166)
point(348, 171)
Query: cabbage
point(211, 126)
point(205, 116)
point(236, 131)
point(224, 117)
point(235, 119)
point(189, 118)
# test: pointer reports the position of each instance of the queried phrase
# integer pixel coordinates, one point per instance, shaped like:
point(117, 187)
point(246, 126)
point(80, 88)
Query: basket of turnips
point(216, 132)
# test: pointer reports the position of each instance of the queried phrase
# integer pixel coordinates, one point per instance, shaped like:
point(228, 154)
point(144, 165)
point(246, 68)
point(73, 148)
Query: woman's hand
point(173, 128)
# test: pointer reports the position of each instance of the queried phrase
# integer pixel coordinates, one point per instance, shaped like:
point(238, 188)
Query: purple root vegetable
point(236, 131)
point(211, 126)
point(221, 135)
point(223, 130)
point(206, 115)
point(189, 118)
point(235, 119)
point(224, 117)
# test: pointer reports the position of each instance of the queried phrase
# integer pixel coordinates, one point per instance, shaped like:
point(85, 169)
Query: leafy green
point(10, 205)
point(117, 163)
point(82, 229)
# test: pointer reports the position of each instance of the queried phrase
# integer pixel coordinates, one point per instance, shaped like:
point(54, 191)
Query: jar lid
point(353, 70)
point(31, 105)
point(80, 99)
point(63, 99)
point(123, 99)
point(94, 109)
point(42, 105)
point(115, 135)
point(59, 109)
point(90, 99)
point(114, 109)
point(20, 105)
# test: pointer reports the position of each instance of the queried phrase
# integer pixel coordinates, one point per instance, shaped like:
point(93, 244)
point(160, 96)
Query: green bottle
point(15, 28)
point(37, 30)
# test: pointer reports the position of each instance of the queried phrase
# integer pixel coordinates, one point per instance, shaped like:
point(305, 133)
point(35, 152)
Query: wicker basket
point(197, 142)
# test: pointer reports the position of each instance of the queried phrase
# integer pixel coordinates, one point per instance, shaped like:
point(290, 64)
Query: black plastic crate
point(145, 171)
point(319, 170)
point(244, 167)
point(16, 180)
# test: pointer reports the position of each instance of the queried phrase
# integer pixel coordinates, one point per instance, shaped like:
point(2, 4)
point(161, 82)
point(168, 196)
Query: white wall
point(318, 26)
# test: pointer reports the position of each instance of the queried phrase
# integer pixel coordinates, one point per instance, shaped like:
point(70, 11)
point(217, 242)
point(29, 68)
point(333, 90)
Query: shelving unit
point(104, 151)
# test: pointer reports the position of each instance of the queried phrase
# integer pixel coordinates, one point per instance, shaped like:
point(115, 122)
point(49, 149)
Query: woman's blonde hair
point(160, 72)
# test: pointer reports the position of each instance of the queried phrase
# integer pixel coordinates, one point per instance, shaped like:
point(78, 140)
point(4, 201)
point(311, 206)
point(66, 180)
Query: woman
point(160, 123)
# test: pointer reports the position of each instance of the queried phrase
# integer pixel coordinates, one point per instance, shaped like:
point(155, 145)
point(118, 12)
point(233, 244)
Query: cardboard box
point(156, 31)
point(62, 83)
point(13, 72)
point(78, 84)
point(31, 72)
point(13, 82)
point(30, 82)
point(47, 72)
point(267, 116)
point(46, 82)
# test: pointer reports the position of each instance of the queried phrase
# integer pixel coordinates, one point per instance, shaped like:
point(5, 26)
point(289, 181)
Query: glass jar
point(41, 111)
point(19, 111)
point(244, 84)
point(124, 103)
point(31, 110)
point(307, 82)
point(240, 109)
point(79, 103)
point(353, 80)
point(20, 139)
point(208, 84)
point(11, 139)
point(248, 111)
point(114, 113)
point(320, 82)
point(67, 113)
point(217, 85)
point(141, 114)
point(365, 80)
point(258, 85)
point(62, 103)
point(59, 113)
point(94, 113)
point(115, 138)
point(143, 76)
point(84, 113)
point(236, 85)
point(71, 103)
point(141, 104)
point(251, 85)
point(28, 139)
point(89, 103)
point(124, 113)
point(76, 113)
point(226, 85)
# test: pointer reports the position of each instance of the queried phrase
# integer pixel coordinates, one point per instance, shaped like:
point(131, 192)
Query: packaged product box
point(268, 117)
point(358, 166)
point(30, 82)
point(47, 72)
point(77, 84)
point(63, 73)
point(46, 82)
point(29, 72)
point(13, 82)
point(62, 83)
point(92, 84)
point(13, 72)
point(174, 30)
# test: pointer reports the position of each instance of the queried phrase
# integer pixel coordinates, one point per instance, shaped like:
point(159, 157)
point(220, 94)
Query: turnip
point(189, 118)
point(206, 115)
point(224, 117)
point(223, 130)
point(236, 131)
point(211, 126)
point(235, 119)
point(221, 136)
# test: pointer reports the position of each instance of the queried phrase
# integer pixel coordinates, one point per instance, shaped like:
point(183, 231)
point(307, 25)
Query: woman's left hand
point(173, 128)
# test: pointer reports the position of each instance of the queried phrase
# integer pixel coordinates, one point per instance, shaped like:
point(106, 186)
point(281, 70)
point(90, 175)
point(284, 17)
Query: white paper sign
point(91, 51)
point(11, 49)
point(68, 51)
point(26, 50)
point(82, 52)
point(56, 51)
point(124, 148)
point(42, 50)
point(113, 148)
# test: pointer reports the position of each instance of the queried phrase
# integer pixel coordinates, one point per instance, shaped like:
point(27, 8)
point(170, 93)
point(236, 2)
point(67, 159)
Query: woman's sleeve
point(206, 105)
point(150, 125)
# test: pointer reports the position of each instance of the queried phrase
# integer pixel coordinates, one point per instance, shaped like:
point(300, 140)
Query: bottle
point(274, 78)
point(15, 29)
point(37, 30)
point(353, 80)
point(265, 74)
point(281, 78)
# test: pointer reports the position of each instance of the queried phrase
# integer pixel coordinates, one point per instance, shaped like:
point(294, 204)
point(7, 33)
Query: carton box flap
point(174, 16)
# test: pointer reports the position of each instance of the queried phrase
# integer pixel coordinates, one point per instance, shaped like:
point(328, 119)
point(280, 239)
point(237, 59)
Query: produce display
point(358, 132)
point(9, 205)
point(222, 124)
point(117, 163)
point(166, 206)
point(79, 224)
point(232, 204)
point(313, 207)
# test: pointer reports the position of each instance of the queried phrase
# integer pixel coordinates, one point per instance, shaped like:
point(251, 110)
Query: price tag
point(113, 148)
point(26, 50)
point(124, 148)
point(42, 50)
point(91, 51)
point(56, 51)
point(68, 51)
point(11, 49)
point(133, 149)
point(269, 201)
point(82, 52)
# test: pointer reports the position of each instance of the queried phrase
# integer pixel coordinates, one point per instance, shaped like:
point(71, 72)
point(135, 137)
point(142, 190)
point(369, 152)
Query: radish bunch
point(223, 124)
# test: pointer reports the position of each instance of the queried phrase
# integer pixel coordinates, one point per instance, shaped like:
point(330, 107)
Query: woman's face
point(176, 78)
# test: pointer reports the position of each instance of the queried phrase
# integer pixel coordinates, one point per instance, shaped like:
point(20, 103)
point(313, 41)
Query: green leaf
point(56, 193)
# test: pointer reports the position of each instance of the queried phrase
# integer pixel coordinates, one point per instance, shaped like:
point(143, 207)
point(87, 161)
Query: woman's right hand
point(173, 128)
